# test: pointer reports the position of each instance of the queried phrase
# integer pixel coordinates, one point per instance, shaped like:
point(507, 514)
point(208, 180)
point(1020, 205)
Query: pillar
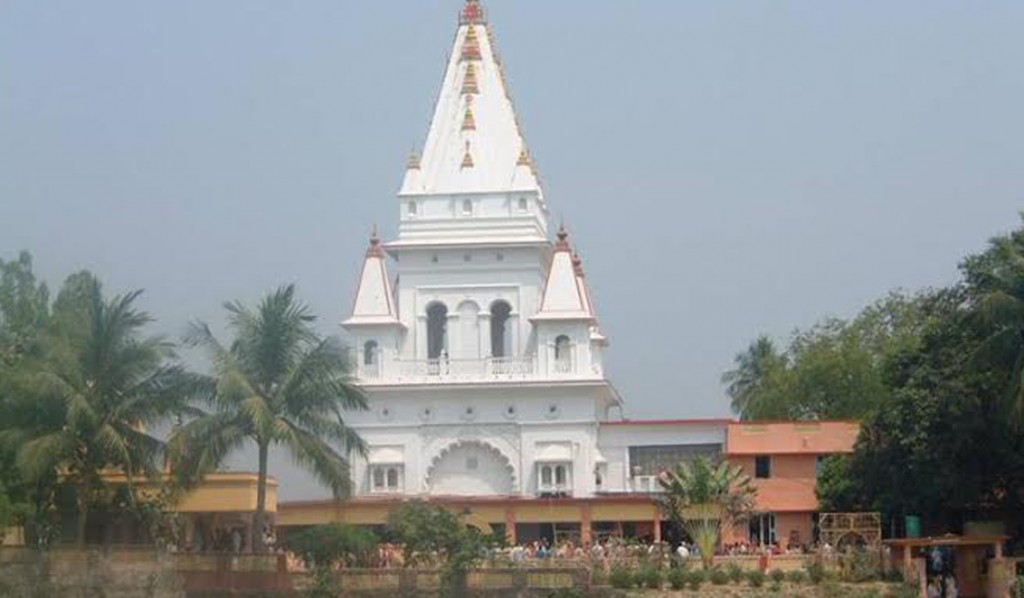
point(251, 534)
point(510, 525)
point(585, 525)
point(657, 526)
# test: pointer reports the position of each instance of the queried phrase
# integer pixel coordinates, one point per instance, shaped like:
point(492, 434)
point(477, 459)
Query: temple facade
point(483, 360)
point(477, 343)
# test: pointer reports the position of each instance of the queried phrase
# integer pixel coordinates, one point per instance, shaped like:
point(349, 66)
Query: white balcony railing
point(490, 369)
point(646, 484)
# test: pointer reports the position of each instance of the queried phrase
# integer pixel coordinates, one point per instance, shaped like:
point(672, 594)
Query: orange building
point(784, 459)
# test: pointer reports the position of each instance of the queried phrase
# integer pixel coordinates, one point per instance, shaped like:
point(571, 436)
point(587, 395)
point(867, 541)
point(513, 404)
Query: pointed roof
point(374, 303)
point(565, 298)
point(581, 282)
point(473, 84)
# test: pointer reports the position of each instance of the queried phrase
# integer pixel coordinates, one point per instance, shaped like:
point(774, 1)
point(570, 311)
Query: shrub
point(860, 566)
point(649, 577)
point(831, 589)
point(695, 579)
point(620, 578)
point(777, 575)
point(735, 572)
point(755, 578)
point(567, 593)
point(815, 571)
point(719, 577)
point(904, 590)
point(776, 587)
point(796, 577)
point(677, 578)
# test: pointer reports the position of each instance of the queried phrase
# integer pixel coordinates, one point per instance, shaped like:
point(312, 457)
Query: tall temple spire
point(473, 107)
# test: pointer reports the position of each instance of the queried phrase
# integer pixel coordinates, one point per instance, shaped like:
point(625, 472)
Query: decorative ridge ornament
point(472, 13)
point(469, 84)
point(577, 264)
point(467, 160)
point(469, 121)
point(471, 45)
point(413, 163)
point(374, 250)
point(524, 158)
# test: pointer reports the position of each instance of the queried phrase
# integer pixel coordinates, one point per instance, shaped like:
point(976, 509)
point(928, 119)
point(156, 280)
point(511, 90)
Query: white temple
point(483, 359)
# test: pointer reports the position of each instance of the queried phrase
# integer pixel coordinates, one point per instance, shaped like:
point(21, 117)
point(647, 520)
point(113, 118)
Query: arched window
point(560, 475)
point(522, 204)
point(563, 355)
point(545, 475)
point(392, 477)
point(437, 330)
point(501, 341)
point(370, 353)
point(467, 207)
point(412, 208)
point(378, 477)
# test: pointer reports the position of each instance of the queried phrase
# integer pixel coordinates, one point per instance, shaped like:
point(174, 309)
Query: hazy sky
point(726, 168)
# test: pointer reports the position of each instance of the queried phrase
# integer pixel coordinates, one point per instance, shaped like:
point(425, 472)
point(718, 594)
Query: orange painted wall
point(790, 487)
point(787, 523)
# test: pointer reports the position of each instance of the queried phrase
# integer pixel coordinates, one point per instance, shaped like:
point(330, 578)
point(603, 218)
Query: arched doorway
point(471, 469)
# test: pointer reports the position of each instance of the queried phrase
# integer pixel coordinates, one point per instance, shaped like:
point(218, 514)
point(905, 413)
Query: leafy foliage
point(277, 384)
point(324, 546)
point(702, 497)
point(431, 533)
point(81, 399)
point(327, 545)
point(834, 370)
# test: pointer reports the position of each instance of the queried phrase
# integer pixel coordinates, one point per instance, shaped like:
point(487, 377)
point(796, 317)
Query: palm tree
point(277, 383)
point(701, 497)
point(82, 407)
point(752, 385)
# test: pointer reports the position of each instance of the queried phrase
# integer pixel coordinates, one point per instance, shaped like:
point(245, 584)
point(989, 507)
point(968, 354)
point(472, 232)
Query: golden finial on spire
point(467, 160)
point(563, 239)
point(469, 84)
point(472, 13)
point(413, 163)
point(374, 250)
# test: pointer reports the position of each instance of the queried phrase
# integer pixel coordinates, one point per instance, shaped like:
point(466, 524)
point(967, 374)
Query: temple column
point(657, 526)
point(585, 526)
point(510, 525)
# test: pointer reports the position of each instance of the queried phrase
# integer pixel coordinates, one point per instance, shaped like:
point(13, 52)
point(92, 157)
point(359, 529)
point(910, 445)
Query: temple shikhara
point(478, 344)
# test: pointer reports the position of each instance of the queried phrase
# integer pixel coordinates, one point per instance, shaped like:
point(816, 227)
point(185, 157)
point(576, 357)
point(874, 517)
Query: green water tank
point(913, 525)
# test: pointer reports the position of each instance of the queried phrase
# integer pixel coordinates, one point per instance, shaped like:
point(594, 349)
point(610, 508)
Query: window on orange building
point(763, 466)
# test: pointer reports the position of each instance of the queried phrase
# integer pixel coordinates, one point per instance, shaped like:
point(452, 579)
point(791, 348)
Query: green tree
point(324, 546)
point(83, 405)
point(995, 281)
point(24, 320)
point(702, 497)
point(757, 385)
point(834, 370)
point(432, 534)
point(24, 308)
point(277, 384)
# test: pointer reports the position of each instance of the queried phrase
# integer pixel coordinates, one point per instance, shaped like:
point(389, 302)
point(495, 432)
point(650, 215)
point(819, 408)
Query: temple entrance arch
point(470, 468)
